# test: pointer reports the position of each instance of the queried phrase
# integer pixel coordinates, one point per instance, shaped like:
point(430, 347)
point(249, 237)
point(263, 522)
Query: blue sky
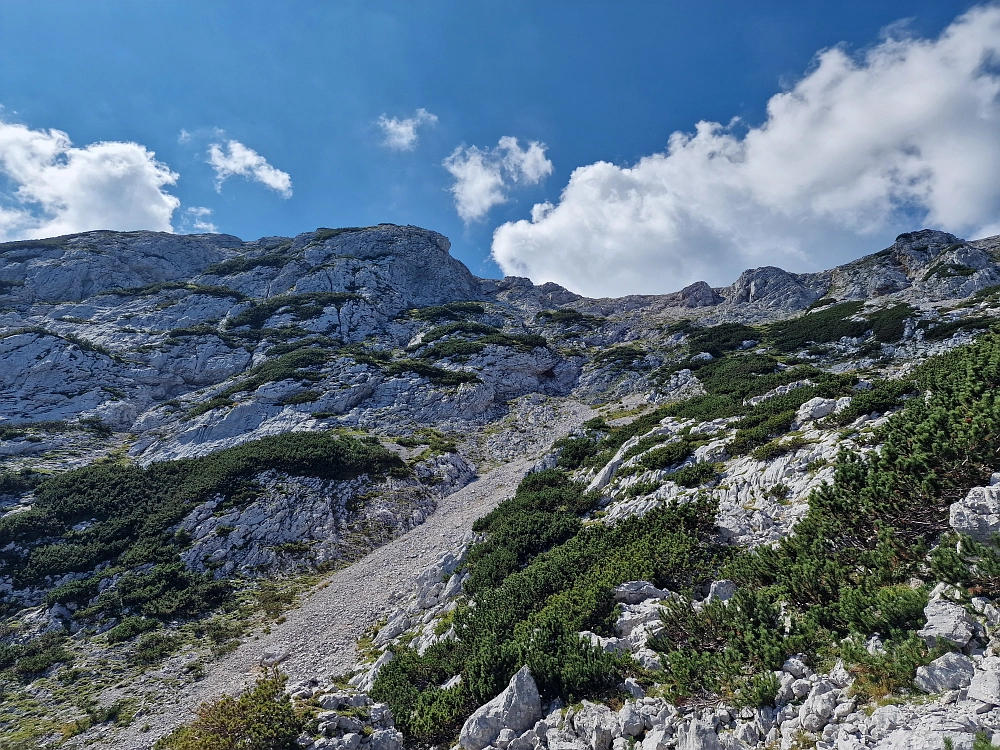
point(303, 85)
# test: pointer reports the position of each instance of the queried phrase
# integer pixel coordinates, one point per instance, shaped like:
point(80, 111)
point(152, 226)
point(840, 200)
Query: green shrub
point(19, 482)
point(242, 264)
point(165, 286)
point(462, 326)
point(436, 375)
point(695, 475)
point(537, 580)
point(449, 311)
point(620, 358)
point(153, 648)
point(821, 326)
point(26, 661)
point(303, 397)
point(133, 509)
point(129, 628)
point(883, 396)
point(721, 338)
point(262, 718)
point(569, 317)
point(939, 331)
point(300, 306)
point(887, 324)
point(775, 448)
point(436, 441)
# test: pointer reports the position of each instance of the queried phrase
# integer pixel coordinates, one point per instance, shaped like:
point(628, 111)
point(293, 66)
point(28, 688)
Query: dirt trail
point(320, 634)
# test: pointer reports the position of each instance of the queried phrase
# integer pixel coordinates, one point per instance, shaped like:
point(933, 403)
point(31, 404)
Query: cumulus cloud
point(401, 135)
point(54, 187)
point(905, 135)
point(482, 176)
point(237, 159)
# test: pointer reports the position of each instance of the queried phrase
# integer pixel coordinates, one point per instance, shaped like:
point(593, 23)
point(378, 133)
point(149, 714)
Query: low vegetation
point(118, 516)
point(262, 718)
point(543, 574)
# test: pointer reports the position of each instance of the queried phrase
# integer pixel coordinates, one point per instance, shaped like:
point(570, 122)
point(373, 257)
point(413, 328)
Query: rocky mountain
point(759, 515)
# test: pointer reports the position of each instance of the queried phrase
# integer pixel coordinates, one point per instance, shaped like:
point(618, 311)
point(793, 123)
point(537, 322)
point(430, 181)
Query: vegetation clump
point(299, 306)
point(569, 317)
point(262, 718)
point(128, 510)
point(449, 311)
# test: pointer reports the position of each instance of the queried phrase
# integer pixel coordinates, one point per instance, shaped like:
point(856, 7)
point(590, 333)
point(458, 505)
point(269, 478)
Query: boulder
point(978, 513)
point(634, 592)
point(658, 738)
point(386, 739)
point(637, 621)
point(597, 725)
point(630, 720)
point(517, 708)
point(365, 680)
point(558, 739)
point(815, 713)
point(946, 621)
point(815, 408)
point(985, 687)
point(949, 672)
point(796, 667)
point(697, 734)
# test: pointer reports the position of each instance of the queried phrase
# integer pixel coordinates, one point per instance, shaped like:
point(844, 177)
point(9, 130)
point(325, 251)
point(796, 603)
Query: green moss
point(569, 317)
point(450, 311)
point(299, 306)
point(150, 290)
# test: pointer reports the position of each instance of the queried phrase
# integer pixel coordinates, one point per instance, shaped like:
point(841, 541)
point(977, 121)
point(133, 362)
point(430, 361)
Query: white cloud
point(402, 134)
point(196, 220)
point(903, 136)
point(529, 164)
point(54, 187)
point(478, 182)
point(237, 159)
point(482, 175)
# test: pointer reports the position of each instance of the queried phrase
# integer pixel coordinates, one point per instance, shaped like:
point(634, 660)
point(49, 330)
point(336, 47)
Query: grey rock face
point(517, 708)
point(978, 513)
point(770, 288)
point(634, 592)
point(78, 266)
point(818, 706)
point(698, 294)
point(698, 734)
point(946, 622)
point(985, 687)
point(597, 725)
point(949, 672)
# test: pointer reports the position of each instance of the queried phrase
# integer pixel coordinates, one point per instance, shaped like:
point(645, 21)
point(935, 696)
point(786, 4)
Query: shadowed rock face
point(770, 287)
point(913, 250)
point(698, 294)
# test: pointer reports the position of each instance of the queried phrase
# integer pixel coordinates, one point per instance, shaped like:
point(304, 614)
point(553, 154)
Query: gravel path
point(320, 635)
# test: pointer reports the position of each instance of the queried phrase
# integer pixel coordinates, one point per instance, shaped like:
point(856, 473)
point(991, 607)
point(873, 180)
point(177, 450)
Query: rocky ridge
point(158, 348)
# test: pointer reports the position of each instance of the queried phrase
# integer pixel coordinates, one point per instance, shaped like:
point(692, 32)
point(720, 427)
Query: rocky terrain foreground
point(464, 512)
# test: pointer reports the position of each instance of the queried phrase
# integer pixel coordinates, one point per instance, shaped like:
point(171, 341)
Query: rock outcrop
point(516, 709)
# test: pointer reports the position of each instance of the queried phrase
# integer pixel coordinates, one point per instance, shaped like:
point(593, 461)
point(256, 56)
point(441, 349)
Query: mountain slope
point(195, 427)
